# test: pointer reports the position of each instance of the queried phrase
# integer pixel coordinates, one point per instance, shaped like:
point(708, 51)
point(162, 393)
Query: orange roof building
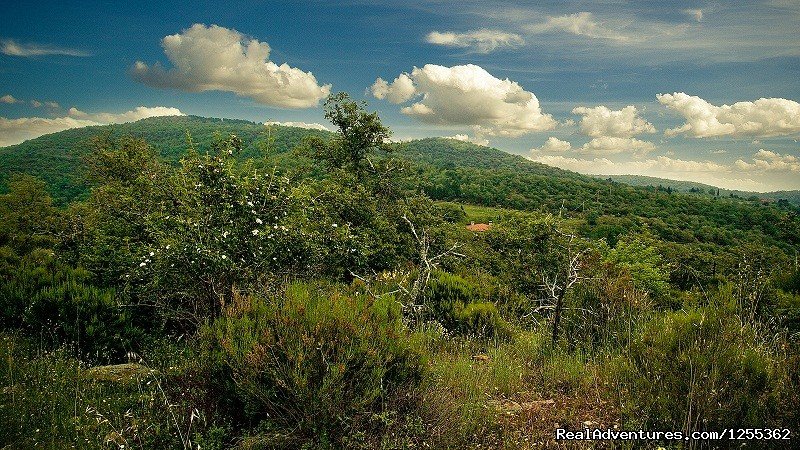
point(479, 226)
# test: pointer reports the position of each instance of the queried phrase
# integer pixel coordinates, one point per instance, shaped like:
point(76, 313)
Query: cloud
point(611, 145)
point(581, 24)
point(765, 160)
point(36, 103)
point(465, 138)
point(696, 14)
point(553, 145)
point(468, 95)
point(140, 112)
point(766, 171)
point(764, 117)
point(9, 99)
point(310, 126)
point(213, 58)
point(13, 48)
point(398, 91)
point(52, 105)
point(602, 121)
point(14, 131)
point(604, 166)
point(480, 41)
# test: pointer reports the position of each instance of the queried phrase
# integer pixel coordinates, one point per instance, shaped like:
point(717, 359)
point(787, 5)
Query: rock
point(119, 373)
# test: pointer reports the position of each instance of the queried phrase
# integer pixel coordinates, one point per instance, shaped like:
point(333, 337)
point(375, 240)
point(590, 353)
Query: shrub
point(315, 365)
point(698, 369)
point(59, 305)
point(456, 304)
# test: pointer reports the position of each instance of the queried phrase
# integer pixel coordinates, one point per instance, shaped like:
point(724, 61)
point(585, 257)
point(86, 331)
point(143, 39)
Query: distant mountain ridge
point(692, 187)
point(57, 157)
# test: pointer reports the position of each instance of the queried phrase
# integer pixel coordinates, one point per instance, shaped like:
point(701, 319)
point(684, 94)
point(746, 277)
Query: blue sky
point(554, 81)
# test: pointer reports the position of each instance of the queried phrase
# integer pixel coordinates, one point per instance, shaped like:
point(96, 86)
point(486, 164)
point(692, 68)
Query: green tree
point(360, 134)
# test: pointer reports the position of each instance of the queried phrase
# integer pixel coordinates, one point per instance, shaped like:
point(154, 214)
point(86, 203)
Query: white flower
point(259, 221)
point(142, 264)
point(255, 232)
point(249, 203)
point(152, 254)
point(224, 257)
point(167, 246)
point(335, 225)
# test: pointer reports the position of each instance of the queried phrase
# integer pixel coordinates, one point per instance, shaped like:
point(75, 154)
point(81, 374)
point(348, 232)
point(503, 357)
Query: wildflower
point(255, 232)
point(142, 264)
point(259, 221)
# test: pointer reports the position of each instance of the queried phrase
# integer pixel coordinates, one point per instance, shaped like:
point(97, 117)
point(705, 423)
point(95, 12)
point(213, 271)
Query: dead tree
point(556, 285)
point(426, 264)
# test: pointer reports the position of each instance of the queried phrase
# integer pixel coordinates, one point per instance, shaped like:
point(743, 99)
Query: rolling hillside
point(444, 169)
point(691, 187)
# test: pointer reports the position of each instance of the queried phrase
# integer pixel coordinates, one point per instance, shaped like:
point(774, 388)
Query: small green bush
point(456, 304)
point(58, 305)
point(315, 365)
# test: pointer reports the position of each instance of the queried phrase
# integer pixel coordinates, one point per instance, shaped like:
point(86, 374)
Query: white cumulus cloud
point(465, 138)
point(765, 160)
point(764, 117)
point(214, 58)
point(553, 145)
point(611, 145)
point(398, 91)
point(602, 121)
point(140, 112)
point(310, 126)
point(469, 95)
point(14, 131)
point(480, 41)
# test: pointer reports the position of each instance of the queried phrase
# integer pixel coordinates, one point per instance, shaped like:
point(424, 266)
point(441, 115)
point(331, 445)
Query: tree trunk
point(557, 316)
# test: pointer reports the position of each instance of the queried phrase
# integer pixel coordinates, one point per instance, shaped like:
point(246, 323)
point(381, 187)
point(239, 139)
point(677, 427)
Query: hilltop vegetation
point(227, 288)
point(705, 189)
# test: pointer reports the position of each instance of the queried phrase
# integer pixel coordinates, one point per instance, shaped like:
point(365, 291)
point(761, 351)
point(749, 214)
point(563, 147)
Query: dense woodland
point(185, 282)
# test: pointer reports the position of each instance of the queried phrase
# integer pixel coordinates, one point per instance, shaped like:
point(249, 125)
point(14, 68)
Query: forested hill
point(446, 153)
point(691, 187)
point(56, 158)
point(445, 170)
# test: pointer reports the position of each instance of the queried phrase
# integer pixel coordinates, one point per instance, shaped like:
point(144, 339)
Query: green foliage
point(59, 305)
point(699, 369)
point(27, 217)
point(202, 224)
point(456, 304)
point(316, 363)
point(51, 400)
point(642, 261)
point(360, 134)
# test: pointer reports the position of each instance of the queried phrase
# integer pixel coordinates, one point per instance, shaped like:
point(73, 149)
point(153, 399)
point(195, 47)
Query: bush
point(59, 305)
point(698, 369)
point(456, 304)
point(315, 365)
